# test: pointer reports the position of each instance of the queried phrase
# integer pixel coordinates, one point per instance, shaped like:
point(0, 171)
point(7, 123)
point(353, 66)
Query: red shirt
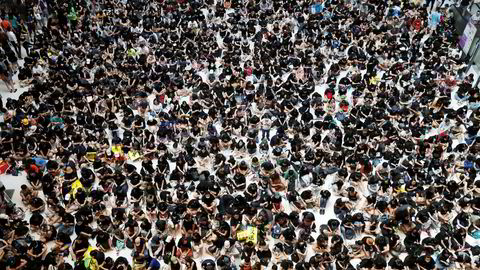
point(33, 168)
point(5, 24)
point(248, 71)
point(329, 95)
point(417, 24)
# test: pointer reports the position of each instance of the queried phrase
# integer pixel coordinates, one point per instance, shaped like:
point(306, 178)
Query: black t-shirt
point(289, 234)
point(239, 180)
point(188, 224)
point(251, 145)
point(264, 254)
point(68, 218)
point(36, 219)
point(208, 199)
point(203, 152)
point(366, 263)
point(380, 262)
point(64, 238)
point(427, 265)
point(37, 202)
point(136, 193)
point(80, 245)
point(412, 237)
point(83, 228)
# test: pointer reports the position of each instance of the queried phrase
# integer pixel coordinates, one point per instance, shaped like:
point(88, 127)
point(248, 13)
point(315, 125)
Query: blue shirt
point(317, 8)
point(40, 161)
point(468, 164)
point(14, 22)
point(154, 264)
point(434, 19)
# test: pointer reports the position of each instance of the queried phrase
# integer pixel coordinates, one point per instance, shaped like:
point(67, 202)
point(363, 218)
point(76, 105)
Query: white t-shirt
point(266, 123)
point(38, 69)
point(11, 37)
point(143, 50)
point(256, 111)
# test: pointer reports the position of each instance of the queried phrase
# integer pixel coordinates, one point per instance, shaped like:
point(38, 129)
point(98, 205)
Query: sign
point(467, 37)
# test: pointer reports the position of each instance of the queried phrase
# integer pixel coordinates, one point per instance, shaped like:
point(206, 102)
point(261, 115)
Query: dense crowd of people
point(239, 134)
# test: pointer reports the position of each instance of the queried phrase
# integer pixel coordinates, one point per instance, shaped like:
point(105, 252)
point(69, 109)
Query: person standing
point(6, 76)
point(72, 17)
point(4, 23)
point(24, 37)
point(266, 126)
point(12, 38)
point(31, 27)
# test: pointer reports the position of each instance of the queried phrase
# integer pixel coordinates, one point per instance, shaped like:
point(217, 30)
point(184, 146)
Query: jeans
point(431, 3)
point(323, 202)
point(114, 133)
point(470, 139)
point(466, 97)
point(240, 98)
point(266, 134)
point(474, 105)
point(340, 116)
point(65, 229)
point(332, 170)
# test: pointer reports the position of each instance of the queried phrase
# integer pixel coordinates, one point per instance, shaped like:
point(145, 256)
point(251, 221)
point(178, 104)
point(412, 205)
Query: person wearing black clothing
point(80, 246)
point(426, 262)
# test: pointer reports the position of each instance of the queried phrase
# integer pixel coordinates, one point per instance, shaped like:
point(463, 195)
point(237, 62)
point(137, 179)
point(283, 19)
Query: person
point(79, 247)
point(24, 37)
point(6, 75)
point(27, 194)
point(12, 38)
point(140, 254)
point(266, 126)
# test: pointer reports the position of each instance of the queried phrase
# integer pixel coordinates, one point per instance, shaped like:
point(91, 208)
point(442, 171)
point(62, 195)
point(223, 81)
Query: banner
point(467, 37)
